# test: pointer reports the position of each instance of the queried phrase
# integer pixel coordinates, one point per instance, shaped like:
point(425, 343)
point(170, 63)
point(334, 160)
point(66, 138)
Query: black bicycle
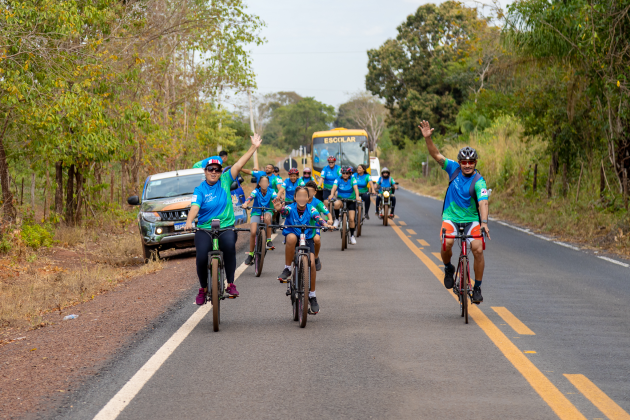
point(299, 284)
point(344, 226)
point(463, 287)
point(260, 243)
point(359, 216)
point(216, 270)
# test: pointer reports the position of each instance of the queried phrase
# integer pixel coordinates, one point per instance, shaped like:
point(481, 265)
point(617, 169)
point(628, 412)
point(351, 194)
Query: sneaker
point(391, 215)
point(353, 241)
point(314, 307)
point(318, 264)
point(367, 216)
point(336, 224)
point(231, 290)
point(449, 271)
point(283, 278)
point(249, 260)
point(270, 245)
point(476, 295)
point(201, 297)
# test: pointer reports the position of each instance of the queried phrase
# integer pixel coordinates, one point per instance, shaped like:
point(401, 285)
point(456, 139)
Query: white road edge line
point(117, 404)
point(614, 261)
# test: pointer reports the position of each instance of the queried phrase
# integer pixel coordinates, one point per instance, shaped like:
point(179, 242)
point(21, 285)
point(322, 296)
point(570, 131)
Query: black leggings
point(366, 202)
point(227, 244)
point(392, 199)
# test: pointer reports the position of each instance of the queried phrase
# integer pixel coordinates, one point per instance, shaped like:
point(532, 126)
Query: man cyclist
point(329, 175)
point(346, 187)
point(465, 204)
point(385, 181)
point(211, 200)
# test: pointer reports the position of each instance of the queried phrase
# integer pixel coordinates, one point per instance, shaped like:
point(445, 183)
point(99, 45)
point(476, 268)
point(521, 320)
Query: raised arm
point(433, 150)
point(236, 168)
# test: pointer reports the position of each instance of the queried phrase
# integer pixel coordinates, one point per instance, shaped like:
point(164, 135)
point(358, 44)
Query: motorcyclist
point(385, 181)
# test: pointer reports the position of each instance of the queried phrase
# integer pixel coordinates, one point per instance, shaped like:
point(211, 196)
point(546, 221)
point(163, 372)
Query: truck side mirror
point(133, 200)
point(234, 186)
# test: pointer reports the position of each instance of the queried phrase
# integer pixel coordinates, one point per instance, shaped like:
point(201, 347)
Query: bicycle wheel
point(259, 251)
point(216, 302)
point(359, 216)
point(344, 232)
point(385, 214)
point(294, 295)
point(464, 289)
point(303, 273)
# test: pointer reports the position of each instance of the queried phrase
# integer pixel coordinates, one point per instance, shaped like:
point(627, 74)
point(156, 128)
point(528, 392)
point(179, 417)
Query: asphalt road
point(389, 341)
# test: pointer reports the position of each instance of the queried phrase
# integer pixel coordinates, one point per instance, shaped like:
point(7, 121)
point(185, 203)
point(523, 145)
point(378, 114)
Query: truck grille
point(173, 215)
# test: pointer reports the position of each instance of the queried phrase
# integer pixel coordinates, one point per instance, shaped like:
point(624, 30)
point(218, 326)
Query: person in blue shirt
point(287, 188)
point(299, 213)
point(306, 176)
point(346, 187)
point(323, 212)
point(386, 181)
point(328, 176)
point(212, 200)
point(262, 196)
point(365, 186)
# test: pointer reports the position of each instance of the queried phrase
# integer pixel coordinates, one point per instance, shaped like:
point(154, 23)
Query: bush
point(36, 236)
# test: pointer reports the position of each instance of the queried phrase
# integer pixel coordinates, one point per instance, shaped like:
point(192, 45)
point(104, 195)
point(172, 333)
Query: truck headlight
point(151, 216)
point(386, 194)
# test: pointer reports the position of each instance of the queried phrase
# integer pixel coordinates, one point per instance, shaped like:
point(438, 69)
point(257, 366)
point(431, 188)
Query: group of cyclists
point(465, 205)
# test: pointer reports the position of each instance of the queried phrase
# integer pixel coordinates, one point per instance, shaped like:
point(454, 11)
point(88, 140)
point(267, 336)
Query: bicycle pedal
point(288, 293)
point(231, 297)
point(283, 281)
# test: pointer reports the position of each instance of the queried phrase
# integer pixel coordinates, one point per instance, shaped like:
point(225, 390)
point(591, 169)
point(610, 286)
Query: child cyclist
point(261, 197)
point(323, 211)
point(299, 213)
point(287, 188)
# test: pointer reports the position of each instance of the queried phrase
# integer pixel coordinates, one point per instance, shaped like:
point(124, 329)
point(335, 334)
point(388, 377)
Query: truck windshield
point(172, 187)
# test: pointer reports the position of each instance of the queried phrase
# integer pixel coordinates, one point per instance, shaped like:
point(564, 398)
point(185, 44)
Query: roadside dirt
point(39, 367)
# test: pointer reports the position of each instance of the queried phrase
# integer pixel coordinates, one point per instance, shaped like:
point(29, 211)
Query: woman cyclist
point(306, 176)
point(329, 174)
point(211, 200)
point(323, 211)
point(385, 181)
point(287, 188)
point(346, 187)
point(299, 213)
point(261, 197)
point(366, 188)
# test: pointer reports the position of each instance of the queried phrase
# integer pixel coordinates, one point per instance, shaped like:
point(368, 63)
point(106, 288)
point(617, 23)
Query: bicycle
point(216, 270)
point(463, 287)
point(301, 275)
point(260, 243)
point(344, 226)
point(359, 216)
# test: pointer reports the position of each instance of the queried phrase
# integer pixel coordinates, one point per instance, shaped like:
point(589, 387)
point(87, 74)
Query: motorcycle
point(386, 202)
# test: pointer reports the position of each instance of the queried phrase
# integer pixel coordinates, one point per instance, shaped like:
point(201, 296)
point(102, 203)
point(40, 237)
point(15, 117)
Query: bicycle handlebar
point(323, 227)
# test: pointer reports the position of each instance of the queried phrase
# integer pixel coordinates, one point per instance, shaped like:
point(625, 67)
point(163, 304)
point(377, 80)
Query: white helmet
point(384, 170)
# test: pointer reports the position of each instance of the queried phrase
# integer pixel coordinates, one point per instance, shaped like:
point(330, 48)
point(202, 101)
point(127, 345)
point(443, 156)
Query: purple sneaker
point(231, 289)
point(201, 297)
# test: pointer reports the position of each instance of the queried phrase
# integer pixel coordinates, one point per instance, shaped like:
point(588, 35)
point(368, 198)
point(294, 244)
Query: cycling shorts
point(309, 243)
point(258, 218)
point(351, 205)
point(470, 228)
point(325, 194)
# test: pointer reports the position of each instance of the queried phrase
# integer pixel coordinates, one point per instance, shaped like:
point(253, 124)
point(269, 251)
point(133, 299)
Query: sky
point(319, 48)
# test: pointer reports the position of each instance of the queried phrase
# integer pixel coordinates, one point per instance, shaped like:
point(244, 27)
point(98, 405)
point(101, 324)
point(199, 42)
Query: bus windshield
point(348, 150)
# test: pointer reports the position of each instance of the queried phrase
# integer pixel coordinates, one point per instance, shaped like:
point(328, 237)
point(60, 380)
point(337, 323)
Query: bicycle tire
point(260, 251)
point(303, 272)
point(359, 215)
point(464, 293)
point(344, 232)
point(216, 302)
point(385, 214)
point(294, 300)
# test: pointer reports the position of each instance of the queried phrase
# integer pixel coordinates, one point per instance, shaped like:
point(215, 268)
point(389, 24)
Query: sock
point(288, 267)
point(449, 265)
point(336, 214)
point(251, 253)
point(268, 240)
point(351, 231)
point(311, 294)
point(477, 283)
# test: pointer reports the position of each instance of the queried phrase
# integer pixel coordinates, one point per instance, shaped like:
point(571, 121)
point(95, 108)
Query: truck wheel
point(150, 252)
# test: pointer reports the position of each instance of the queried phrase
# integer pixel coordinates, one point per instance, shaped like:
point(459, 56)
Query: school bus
point(349, 147)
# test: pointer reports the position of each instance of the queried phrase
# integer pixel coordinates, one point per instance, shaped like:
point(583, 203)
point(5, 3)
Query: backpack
point(471, 191)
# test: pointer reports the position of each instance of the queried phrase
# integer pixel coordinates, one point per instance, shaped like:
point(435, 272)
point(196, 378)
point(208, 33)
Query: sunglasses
point(468, 162)
point(214, 170)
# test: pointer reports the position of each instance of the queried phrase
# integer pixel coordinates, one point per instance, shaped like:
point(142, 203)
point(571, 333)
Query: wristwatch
point(484, 221)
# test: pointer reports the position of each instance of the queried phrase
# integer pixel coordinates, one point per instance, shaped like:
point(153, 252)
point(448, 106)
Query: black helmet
point(467, 153)
point(346, 170)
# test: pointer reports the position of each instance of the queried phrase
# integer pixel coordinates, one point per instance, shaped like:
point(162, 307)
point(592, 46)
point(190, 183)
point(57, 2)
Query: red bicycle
point(463, 287)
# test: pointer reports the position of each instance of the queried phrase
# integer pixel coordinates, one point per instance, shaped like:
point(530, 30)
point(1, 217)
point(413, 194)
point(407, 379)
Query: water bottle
point(68, 317)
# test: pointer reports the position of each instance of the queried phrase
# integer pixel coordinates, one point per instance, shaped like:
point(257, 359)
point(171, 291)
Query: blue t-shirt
point(305, 180)
point(459, 205)
point(214, 202)
point(385, 183)
point(262, 200)
point(293, 218)
point(330, 175)
point(259, 174)
point(345, 189)
point(289, 187)
point(362, 182)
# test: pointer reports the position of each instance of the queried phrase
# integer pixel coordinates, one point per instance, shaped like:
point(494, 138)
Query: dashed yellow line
point(401, 223)
point(437, 255)
point(423, 242)
point(556, 400)
point(599, 399)
point(512, 321)
point(411, 232)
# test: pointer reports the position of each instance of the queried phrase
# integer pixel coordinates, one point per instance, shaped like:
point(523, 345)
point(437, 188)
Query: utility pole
point(251, 123)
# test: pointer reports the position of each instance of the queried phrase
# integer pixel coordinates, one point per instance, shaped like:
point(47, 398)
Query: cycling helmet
point(467, 153)
point(346, 170)
point(384, 170)
point(331, 159)
point(294, 171)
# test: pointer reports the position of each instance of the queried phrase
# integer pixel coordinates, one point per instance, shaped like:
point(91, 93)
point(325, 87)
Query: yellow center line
point(563, 408)
point(411, 231)
point(512, 321)
point(599, 399)
point(423, 242)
